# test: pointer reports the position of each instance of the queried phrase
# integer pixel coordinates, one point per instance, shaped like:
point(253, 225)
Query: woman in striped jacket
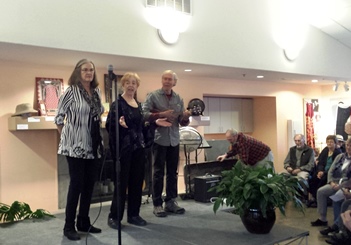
point(78, 122)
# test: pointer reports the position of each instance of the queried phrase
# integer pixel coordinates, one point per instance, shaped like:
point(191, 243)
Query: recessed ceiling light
point(315, 81)
point(187, 70)
point(260, 76)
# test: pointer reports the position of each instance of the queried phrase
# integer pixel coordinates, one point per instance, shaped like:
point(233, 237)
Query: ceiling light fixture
point(336, 85)
point(260, 76)
point(314, 81)
point(346, 87)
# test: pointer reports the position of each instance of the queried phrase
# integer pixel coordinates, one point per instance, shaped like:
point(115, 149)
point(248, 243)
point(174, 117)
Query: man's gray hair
point(232, 131)
point(302, 137)
point(175, 77)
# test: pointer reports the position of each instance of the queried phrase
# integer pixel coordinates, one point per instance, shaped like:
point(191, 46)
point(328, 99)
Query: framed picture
point(49, 91)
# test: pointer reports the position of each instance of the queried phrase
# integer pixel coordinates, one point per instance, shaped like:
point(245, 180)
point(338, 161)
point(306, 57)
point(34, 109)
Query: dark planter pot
point(254, 221)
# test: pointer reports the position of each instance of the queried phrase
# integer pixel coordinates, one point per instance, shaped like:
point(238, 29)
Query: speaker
point(202, 184)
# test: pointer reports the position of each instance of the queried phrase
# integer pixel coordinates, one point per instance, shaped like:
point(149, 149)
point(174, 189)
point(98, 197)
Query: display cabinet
point(228, 113)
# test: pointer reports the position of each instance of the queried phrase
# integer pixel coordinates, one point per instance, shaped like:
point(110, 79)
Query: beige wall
point(265, 124)
point(220, 33)
point(28, 164)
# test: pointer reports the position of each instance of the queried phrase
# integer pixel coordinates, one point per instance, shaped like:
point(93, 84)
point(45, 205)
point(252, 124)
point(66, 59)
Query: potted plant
point(255, 192)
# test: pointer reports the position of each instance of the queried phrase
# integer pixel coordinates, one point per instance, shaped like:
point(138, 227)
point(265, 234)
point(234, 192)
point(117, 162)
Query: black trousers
point(83, 175)
point(131, 178)
point(315, 183)
point(165, 156)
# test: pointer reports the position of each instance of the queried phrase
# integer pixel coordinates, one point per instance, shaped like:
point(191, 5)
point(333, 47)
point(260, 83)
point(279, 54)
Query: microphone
point(111, 75)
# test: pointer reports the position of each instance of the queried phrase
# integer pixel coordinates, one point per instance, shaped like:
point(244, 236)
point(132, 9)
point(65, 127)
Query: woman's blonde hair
point(128, 75)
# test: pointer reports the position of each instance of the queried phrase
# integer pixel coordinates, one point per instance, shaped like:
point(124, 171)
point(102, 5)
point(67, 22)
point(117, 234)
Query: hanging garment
point(309, 125)
point(51, 97)
point(341, 118)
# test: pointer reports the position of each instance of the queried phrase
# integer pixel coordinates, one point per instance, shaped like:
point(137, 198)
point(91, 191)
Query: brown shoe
point(172, 207)
point(159, 212)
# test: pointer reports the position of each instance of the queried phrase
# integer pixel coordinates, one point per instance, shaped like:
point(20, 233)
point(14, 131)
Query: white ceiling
point(335, 24)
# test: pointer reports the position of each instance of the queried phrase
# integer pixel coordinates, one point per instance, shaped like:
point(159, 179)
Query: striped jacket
point(74, 114)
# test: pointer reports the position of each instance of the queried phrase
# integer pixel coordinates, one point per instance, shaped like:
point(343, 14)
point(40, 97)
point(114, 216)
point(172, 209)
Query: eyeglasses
point(85, 70)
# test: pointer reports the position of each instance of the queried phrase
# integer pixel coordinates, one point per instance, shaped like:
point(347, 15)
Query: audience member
point(338, 208)
point(339, 173)
point(346, 218)
point(341, 143)
point(165, 103)
point(300, 159)
point(320, 173)
point(343, 237)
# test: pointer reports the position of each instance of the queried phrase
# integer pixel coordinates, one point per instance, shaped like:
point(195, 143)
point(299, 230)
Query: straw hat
point(24, 109)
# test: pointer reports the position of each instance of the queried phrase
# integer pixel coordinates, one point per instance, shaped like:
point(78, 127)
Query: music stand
point(187, 144)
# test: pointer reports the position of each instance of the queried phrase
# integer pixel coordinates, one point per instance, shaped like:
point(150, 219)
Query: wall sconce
point(169, 17)
point(289, 28)
point(336, 85)
point(346, 87)
point(168, 36)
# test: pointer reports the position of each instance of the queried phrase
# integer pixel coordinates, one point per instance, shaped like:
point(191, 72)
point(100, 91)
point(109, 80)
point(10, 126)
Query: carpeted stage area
point(198, 226)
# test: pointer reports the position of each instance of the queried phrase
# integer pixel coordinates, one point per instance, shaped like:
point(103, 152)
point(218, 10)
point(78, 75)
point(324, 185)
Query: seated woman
point(338, 208)
point(324, 161)
point(339, 173)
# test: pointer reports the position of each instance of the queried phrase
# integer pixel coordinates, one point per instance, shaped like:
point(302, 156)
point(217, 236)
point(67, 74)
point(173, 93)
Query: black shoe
point(90, 229)
point(136, 220)
point(319, 222)
point(71, 234)
point(83, 225)
point(113, 223)
point(328, 230)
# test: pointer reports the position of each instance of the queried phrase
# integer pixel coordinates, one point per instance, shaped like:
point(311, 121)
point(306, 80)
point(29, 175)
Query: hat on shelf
point(24, 109)
point(340, 138)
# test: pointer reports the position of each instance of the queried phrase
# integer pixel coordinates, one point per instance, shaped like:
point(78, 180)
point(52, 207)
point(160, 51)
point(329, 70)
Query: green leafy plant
point(20, 211)
point(244, 187)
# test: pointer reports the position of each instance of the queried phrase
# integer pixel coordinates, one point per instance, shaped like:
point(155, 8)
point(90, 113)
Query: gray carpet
point(198, 226)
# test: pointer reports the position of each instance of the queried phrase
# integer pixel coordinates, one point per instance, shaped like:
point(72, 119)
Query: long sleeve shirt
point(157, 101)
point(340, 169)
point(249, 149)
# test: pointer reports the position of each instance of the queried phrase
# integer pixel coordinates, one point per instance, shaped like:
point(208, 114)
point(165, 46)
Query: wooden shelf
point(36, 123)
point(31, 123)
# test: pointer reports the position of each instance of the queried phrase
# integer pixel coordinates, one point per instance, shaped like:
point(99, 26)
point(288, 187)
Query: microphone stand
point(117, 164)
